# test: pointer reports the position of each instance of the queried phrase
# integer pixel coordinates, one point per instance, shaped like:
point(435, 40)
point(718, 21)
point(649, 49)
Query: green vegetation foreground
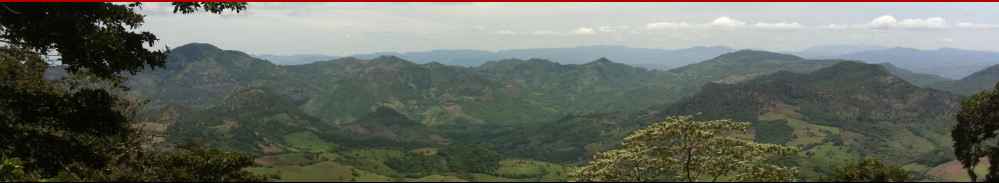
point(80, 128)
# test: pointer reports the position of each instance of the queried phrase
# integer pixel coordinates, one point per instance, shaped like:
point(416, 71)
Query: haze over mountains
point(295, 59)
point(950, 63)
point(363, 115)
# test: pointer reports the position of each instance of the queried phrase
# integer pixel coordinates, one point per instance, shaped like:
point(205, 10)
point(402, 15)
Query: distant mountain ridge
point(295, 59)
point(646, 57)
point(983, 80)
point(947, 62)
point(827, 51)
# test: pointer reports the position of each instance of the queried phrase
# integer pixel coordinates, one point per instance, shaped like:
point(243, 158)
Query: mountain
point(848, 110)
point(976, 82)
point(364, 113)
point(947, 62)
point(845, 111)
point(251, 120)
point(645, 57)
point(296, 59)
point(918, 79)
point(745, 64)
point(449, 57)
point(827, 51)
point(200, 75)
point(339, 97)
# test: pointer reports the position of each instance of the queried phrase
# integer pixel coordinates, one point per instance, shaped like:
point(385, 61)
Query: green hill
point(976, 82)
point(845, 111)
point(850, 109)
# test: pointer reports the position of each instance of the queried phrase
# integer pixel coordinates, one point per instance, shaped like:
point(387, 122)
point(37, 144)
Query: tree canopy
point(870, 170)
point(59, 127)
point(975, 133)
point(681, 149)
point(98, 37)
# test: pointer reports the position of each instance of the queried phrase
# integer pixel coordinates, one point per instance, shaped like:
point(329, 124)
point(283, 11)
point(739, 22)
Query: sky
point(356, 28)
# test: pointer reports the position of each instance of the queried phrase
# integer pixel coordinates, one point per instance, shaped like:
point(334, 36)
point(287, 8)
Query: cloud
point(584, 31)
point(723, 22)
point(612, 28)
point(726, 22)
point(890, 22)
point(505, 32)
point(779, 25)
point(667, 25)
point(836, 26)
point(976, 25)
point(544, 32)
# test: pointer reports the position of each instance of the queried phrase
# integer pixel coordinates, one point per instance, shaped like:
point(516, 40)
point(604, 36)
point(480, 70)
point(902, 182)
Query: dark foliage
point(477, 158)
point(975, 133)
point(870, 170)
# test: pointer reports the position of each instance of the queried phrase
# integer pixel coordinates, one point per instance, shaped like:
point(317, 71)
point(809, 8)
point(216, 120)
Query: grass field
point(343, 166)
point(308, 142)
point(805, 133)
point(323, 171)
point(438, 178)
point(529, 169)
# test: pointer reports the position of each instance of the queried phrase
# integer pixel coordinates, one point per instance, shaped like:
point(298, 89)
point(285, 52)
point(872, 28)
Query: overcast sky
point(353, 28)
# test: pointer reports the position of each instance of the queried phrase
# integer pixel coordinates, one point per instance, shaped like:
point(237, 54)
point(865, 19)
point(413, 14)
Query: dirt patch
point(270, 148)
point(954, 171)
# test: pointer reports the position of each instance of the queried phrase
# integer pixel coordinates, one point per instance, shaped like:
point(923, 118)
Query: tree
point(870, 170)
point(477, 158)
point(188, 163)
point(98, 37)
point(49, 126)
point(11, 169)
point(975, 133)
point(681, 149)
point(416, 165)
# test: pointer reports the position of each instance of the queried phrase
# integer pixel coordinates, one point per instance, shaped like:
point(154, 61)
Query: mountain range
point(362, 115)
point(947, 62)
point(645, 57)
point(295, 59)
point(951, 63)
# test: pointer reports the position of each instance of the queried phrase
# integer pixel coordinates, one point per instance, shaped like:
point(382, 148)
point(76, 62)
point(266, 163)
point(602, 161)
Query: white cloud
point(888, 21)
point(584, 31)
point(836, 26)
point(976, 25)
point(779, 25)
point(933, 22)
point(612, 28)
point(667, 25)
point(727, 22)
point(505, 32)
point(544, 32)
point(717, 22)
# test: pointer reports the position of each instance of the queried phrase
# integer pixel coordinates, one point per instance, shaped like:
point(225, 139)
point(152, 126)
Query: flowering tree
point(681, 149)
